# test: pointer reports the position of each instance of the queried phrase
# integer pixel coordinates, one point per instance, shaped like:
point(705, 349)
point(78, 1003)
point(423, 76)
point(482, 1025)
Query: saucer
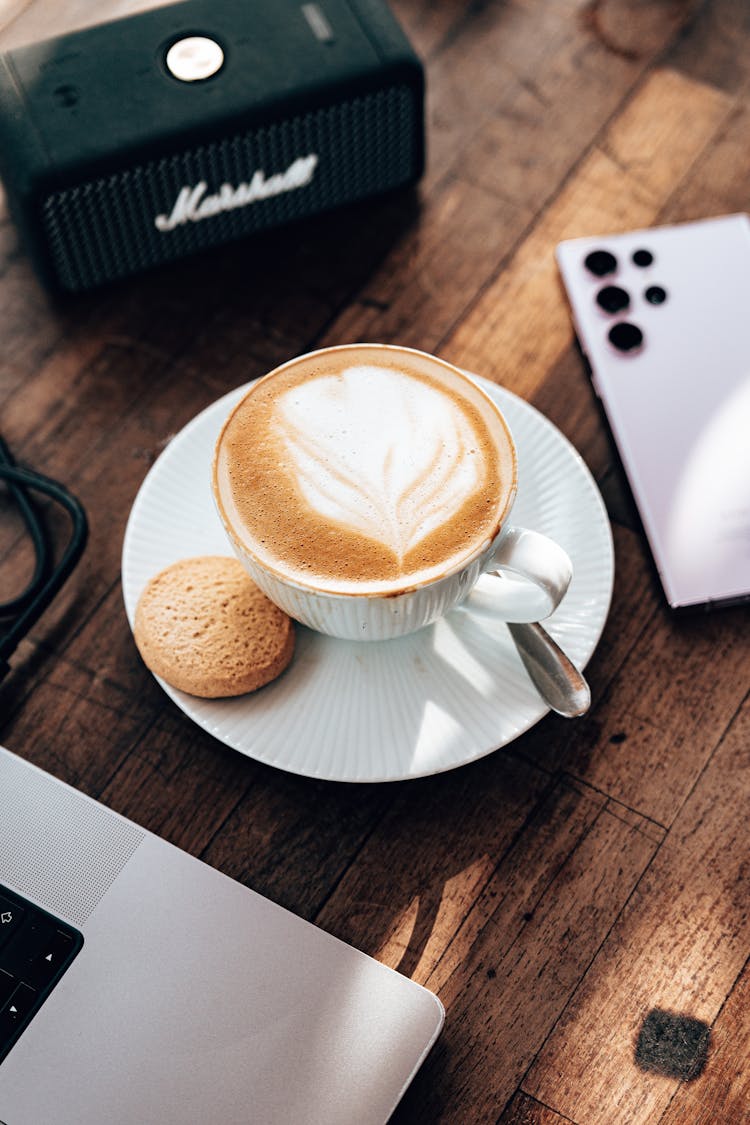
point(389, 710)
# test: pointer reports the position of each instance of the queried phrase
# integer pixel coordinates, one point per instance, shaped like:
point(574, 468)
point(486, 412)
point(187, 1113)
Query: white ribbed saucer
point(390, 710)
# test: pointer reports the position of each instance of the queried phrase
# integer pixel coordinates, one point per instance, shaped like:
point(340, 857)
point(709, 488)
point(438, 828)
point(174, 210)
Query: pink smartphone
point(663, 317)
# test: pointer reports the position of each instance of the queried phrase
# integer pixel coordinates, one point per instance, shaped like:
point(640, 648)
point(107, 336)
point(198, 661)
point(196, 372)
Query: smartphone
point(663, 318)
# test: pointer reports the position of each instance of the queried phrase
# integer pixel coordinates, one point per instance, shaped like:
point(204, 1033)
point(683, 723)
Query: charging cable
point(27, 607)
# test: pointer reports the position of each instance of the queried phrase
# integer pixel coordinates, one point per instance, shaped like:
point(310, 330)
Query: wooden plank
point(507, 987)
point(634, 28)
point(76, 724)
point(430, 25)
point(567, 398)
point(634, 602)
point(666, 711)
point(717, 185)
point(523, 1110)
point(722, 1091)
point(15, 687)
point(26, 21)
point(407, 913)
point(678, 946)
point(462, 232)
point(559, 745)
point(293, 839)
point(178, 782)
point(558, 81)
point(718, 48)
point(32, 328)
point(522, 63)
point(501, 139)
point(500, 917)
point(521, 325)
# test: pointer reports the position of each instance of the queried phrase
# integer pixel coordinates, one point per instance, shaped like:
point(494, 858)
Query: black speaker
point(139, 141)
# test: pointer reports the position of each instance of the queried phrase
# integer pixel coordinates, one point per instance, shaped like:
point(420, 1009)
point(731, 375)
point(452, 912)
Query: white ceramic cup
point(533, 571)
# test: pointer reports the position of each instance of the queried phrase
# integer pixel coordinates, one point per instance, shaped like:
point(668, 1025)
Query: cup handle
point(535, 572)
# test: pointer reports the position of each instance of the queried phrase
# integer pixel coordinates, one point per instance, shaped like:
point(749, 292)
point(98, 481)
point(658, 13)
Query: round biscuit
point(203, 625)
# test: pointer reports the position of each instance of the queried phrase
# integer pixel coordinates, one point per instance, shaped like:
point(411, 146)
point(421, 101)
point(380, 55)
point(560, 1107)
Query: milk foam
point(364, 470)
point(385, 455)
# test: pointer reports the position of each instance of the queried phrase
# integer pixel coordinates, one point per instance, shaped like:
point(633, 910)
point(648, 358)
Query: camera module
point(625, 337)
point(600, 263)
point(642, 258)
point(655, 295)
point(612, 299)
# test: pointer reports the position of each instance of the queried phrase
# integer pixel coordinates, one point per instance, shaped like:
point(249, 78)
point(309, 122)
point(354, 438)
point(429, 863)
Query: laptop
point(137, 984)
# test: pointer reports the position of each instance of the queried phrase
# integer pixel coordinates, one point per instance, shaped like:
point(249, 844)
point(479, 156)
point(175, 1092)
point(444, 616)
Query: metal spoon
point(555, 677)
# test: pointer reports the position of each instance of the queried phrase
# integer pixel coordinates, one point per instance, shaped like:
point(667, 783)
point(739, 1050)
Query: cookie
point(204, 627)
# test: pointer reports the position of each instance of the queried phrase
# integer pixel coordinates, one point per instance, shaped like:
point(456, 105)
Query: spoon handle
point(555, 677)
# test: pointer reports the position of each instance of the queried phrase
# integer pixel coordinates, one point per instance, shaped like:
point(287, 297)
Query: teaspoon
point(554, 675)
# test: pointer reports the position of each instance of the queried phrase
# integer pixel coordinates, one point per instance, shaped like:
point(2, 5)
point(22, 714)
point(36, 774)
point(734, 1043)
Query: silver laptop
point(138, 985)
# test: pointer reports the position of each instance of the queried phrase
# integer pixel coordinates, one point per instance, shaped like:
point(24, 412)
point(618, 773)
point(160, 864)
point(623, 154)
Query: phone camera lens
point(655, 295)
point(612, 299)
point(643, 258)
point(625, 337)
point(600, 263)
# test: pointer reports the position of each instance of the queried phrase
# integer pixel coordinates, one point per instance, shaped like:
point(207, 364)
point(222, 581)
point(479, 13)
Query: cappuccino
point(365, 469)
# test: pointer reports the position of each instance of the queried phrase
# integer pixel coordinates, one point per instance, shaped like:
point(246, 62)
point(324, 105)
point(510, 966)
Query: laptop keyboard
point(35, 951)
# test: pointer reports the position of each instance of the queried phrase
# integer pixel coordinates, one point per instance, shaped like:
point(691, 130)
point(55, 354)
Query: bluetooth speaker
point(137, 142)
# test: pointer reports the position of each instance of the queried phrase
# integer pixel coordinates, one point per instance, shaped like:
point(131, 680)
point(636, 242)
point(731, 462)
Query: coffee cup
point(367, 487)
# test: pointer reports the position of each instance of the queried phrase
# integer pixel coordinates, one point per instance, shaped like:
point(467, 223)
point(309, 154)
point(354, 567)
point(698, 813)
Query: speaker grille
point(57, 847)
point(104, 229)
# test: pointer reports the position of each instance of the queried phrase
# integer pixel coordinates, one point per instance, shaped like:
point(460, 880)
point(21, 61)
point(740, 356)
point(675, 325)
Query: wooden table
point(593, 874)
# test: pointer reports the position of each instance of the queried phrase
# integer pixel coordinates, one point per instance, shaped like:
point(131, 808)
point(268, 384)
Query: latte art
point(377, 453)
point(374, 471)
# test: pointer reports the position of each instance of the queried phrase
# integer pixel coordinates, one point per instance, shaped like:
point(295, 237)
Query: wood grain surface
point(589, 883)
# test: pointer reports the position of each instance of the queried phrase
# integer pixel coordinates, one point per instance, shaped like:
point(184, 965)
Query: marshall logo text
point(192, 204)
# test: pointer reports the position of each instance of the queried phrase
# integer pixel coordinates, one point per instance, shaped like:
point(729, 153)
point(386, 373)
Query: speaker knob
point(194, 58)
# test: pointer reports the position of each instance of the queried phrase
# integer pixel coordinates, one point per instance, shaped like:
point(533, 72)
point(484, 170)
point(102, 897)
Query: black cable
point(47, 580)
point(36, 529)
